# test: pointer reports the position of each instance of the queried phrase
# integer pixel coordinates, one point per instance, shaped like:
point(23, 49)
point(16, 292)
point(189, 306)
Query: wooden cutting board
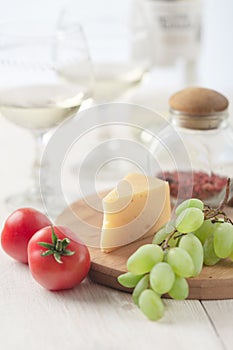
point(84, 217)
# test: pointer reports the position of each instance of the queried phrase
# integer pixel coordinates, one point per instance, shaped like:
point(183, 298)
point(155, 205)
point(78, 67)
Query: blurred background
point(213, 58)
point(140, 53)
point(216, 54)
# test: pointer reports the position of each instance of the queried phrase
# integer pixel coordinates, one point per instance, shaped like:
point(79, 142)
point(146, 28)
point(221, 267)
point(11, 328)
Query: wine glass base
point(35, 201)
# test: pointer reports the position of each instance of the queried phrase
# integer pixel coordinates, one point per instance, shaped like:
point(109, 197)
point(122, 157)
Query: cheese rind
point(135, 209)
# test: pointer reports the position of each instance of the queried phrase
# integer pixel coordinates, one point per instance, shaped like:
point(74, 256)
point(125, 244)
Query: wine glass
point(118, 43)
point(46, 76)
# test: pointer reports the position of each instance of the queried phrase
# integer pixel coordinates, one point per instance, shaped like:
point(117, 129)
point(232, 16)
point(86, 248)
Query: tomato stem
point(57, 248)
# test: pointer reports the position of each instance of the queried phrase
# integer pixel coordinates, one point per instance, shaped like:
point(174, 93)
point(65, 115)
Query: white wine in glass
point(46, 75)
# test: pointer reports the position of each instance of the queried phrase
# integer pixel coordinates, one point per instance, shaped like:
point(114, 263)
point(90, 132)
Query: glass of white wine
point(118, 43)
point(46, 75)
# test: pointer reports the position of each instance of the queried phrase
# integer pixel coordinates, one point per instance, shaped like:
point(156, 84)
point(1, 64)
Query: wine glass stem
point(36, 169)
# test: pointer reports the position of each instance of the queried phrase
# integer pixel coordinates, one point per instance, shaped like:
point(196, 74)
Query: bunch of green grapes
point(198, 235)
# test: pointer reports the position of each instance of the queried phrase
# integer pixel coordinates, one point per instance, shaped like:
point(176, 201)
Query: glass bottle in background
point(174, 35)
point(200, 117)
point(174, 28)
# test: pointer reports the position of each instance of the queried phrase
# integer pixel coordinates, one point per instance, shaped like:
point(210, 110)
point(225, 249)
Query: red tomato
point(57, 260)
point(19, 227)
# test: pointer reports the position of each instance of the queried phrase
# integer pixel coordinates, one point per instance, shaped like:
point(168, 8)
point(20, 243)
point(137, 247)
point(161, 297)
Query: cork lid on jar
point(198, 108)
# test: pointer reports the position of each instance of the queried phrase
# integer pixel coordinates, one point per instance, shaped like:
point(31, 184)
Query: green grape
point(210, 258)
point(193, 246)
point(180, 261)
point(163, 233)
point(223, 239)
point(180, 289)
point(162, 278)
point(189, 220)
point(189, 203)
point(151, 304)
point(144, 259)
point(140, 287)
point(204, 231)
point(128, 279)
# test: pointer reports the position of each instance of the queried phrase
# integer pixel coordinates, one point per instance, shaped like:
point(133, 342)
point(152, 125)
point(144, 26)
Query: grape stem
point(165, 245)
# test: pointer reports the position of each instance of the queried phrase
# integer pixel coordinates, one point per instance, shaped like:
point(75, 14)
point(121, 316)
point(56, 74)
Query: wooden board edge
point(101, 278)
point(196, 291)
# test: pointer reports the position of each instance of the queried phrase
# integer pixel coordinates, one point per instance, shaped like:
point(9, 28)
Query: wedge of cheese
point(136, 208)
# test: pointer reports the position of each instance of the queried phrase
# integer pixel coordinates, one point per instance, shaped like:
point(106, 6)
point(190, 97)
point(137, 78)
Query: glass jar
point(199, 119)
